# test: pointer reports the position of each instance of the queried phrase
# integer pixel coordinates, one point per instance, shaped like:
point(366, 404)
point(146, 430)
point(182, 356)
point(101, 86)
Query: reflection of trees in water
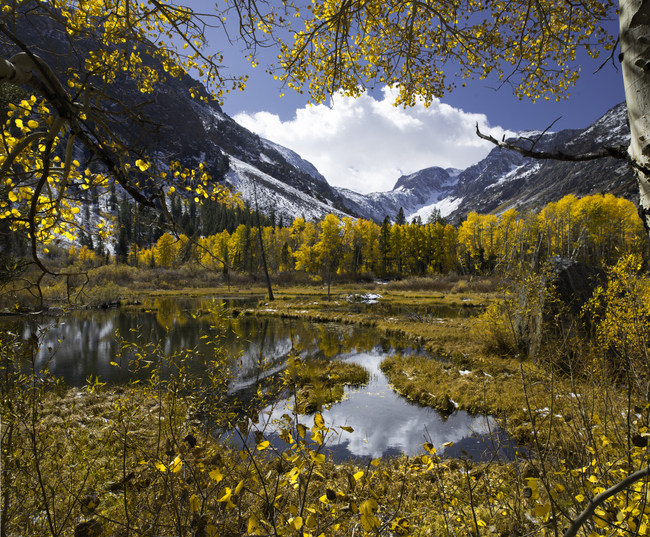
point(257, 347)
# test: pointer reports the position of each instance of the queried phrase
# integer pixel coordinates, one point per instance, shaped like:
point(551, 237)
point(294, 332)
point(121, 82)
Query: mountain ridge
point(506, 179)
point(281, 181)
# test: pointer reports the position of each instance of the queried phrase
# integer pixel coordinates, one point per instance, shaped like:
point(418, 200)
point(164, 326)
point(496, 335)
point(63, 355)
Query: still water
point(85, 342)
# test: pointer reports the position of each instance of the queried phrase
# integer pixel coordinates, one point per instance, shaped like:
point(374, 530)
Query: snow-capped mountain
point(194, 131)
point(506, 179)
point(197, 131)
point(424, 188)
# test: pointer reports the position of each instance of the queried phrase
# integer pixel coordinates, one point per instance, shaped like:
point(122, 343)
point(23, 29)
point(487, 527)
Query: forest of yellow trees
point(596, 229)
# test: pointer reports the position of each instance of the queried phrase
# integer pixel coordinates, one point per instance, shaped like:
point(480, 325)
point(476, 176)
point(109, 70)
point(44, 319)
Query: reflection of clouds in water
point(384, 421)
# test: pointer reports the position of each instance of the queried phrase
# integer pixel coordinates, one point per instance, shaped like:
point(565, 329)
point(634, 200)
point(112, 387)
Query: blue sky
point(366, 144)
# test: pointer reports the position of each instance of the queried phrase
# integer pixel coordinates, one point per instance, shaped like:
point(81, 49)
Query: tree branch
point(619, 152)
point(604, 496)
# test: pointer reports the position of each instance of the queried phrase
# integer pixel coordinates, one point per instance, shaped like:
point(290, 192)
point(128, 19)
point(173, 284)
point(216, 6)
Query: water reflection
point(385, 423)
point(85, 342)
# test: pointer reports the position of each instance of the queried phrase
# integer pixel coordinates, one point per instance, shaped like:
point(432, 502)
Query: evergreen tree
point(384, 244)
point(401, 219)
point(435, 217)
point(112, 200)
point(285, 255)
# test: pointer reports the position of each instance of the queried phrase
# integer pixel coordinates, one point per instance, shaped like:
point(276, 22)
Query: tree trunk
point(259, 234)
point(634, 21)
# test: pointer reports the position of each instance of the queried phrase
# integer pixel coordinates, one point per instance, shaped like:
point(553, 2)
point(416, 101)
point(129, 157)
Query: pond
point(85, 342)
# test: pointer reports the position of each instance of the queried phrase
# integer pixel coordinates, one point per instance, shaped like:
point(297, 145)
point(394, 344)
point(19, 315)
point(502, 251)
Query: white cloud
point(366, 144)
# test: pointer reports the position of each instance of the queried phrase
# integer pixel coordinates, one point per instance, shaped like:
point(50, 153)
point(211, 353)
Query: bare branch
point(619, 152)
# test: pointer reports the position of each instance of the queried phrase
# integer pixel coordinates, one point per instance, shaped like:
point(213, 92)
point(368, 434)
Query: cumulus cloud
point(366, 144)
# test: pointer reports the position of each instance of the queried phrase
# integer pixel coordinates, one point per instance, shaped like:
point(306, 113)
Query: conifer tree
point(400, 219)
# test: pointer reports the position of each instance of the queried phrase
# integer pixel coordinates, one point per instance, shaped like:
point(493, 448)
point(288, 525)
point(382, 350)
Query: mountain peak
point(506, 179)
point(429, 178)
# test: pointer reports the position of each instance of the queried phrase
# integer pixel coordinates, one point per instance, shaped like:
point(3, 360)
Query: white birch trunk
point(635, 49)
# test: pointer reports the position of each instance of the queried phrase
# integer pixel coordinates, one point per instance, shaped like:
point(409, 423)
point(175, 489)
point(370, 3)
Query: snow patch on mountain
point(446, 206)
point(294, 159)
point(610, 129)
point(273, 194)
point(266, 159)
point(208, 115)
point(518, 172)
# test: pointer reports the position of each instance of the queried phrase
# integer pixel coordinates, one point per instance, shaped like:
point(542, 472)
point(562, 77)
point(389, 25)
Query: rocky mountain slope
point(424, 188)
point(198, 131)
point(194, 131)
point(505, 179)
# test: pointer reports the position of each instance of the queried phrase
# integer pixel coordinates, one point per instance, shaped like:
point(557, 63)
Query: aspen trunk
point(635, 59)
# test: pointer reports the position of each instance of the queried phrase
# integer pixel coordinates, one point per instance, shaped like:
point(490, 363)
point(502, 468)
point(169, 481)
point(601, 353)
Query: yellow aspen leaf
point(239, 487)
point(216, 475)
point(317, 458)
point(195, 503)
point(12, 197)
point(32, 124)
point(358, 475)
point(368, 507)
point(369, 523)
point(144, 166)
point(296, 523)
point(176, 465)
point(318, 438)
point(542, 510)
point(253, 523)
point(318, 420)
